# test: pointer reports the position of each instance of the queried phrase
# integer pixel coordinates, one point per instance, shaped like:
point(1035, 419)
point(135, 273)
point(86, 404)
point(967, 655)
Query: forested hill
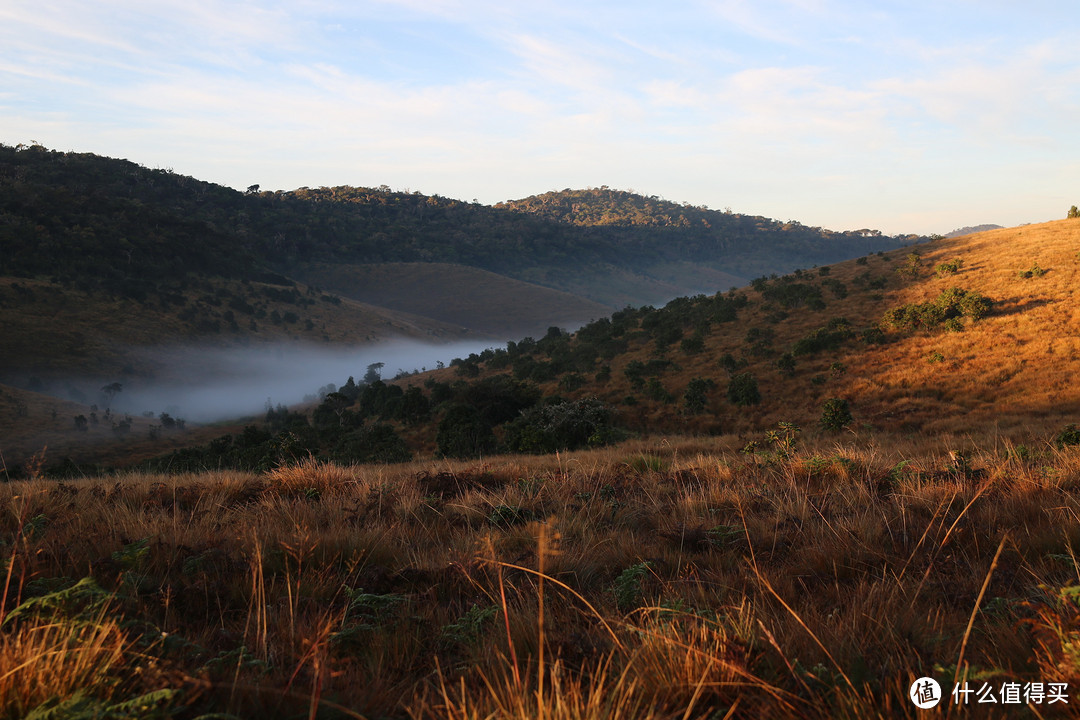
point(746, 245)
point(113, 224)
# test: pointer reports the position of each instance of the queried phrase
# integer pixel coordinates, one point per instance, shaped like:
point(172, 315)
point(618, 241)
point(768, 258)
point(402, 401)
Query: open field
point(670, 578)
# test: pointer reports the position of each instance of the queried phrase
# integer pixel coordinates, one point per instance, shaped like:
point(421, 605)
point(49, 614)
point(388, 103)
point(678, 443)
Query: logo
point(925, 693)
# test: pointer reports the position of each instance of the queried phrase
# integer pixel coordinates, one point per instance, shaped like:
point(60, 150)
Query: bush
point(567, 425)
point(377, 443)
point(950, 268)
point(1069, 435)
point(911, 265)
point(829, 337)
point(729, 363)
point(696, 395)
point(786, 364)
point(743, 390)
point(656, 390)
point(953, 303)
point(1035, 271)
point(693, 344)
point(835, 414)
point(873, 336)
point(463, 433)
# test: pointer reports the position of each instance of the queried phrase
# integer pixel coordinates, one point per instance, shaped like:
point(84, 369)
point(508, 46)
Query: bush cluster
point(564, 425)
point(953, 303)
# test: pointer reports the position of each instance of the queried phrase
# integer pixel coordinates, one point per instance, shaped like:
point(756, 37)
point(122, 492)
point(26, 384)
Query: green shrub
point(729, 363)
point(693, 344)
point(786, 364)
point(950, 268)
point(627, 586)
point(911, 265)
point(743, 390)
point(1069, 435)
point(953, 303)
point(835, 414)
point(873, 336)
point(464, 433)
point(377, 443)
point(1035, 271)
point(829, 337)
point(696, 395)
point(571, 382)
point(656, 390)
point(566, 425)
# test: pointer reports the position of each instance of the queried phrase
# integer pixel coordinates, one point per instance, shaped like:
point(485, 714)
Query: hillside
point(52, 330)
point(456, 295)
point(843, 480)
point(96, 222)
point(836, 332)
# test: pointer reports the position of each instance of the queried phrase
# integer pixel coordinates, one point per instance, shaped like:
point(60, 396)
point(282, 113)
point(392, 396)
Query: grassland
point(675, 578)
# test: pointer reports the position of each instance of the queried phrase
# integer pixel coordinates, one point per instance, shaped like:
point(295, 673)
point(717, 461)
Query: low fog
point(211, 384)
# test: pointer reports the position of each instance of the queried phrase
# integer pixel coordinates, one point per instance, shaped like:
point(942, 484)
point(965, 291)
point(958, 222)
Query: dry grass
point(675, 579)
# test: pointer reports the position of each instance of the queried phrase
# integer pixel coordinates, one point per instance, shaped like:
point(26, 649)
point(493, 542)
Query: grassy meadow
point(815, 577)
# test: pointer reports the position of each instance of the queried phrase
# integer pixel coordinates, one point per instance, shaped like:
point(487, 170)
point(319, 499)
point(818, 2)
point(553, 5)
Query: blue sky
point(904, 116)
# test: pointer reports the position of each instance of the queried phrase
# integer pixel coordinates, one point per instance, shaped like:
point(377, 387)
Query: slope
point(844, 331)
point(481, 301)
point(52, 331)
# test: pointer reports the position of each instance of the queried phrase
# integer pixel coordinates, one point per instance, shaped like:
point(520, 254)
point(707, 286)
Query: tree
point(373, 374)
point(463, 433)
point(110, 391)
point(835, 414)
point(1073, 212)
point(743, 390)
point(696, 396)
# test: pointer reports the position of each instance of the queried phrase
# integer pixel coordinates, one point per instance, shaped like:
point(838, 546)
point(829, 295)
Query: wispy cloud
point(828, 111)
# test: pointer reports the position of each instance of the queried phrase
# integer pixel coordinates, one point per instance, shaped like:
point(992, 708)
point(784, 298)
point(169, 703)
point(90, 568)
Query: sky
point(907, 116)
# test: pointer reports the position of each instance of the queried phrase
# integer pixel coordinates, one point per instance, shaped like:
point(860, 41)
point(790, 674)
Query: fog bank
point(210, 384)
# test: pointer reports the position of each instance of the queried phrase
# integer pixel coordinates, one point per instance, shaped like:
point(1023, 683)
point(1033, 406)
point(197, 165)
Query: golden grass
point(43, 661)
point(699, 583)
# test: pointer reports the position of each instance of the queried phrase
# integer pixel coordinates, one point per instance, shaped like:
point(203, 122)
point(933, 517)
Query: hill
point(900, 336)
point(96, 222)
point(971, 229)
point(52, 330)
point(456, 295)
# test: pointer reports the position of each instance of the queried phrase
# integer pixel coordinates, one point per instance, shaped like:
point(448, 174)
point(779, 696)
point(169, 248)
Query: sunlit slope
point(482, 301)
point(1015, 368)
point(823, 333)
